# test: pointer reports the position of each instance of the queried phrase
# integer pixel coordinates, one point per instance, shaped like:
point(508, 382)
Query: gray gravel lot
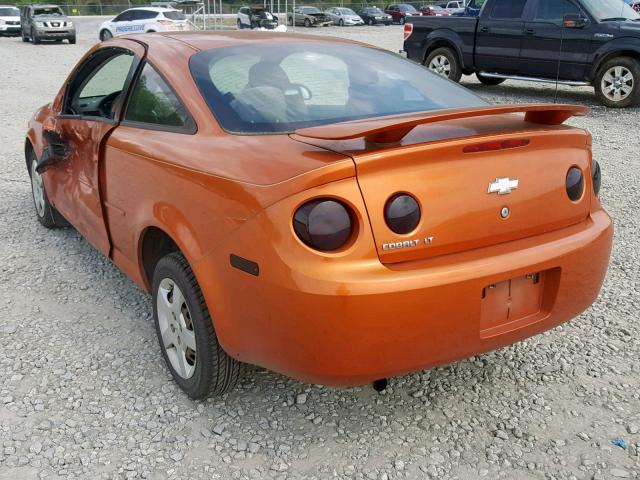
point(84, 392)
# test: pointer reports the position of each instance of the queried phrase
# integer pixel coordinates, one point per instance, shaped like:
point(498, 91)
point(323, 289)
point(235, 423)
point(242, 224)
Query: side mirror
point(574, 21)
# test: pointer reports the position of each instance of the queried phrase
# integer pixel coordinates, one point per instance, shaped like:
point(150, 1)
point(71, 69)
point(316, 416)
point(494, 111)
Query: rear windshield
point(175, 15)
point(9, 12)
point(50, 11)
point(281, 87)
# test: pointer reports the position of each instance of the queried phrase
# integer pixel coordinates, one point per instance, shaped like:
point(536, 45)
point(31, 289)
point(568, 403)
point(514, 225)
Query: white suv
point(144, 20)
point(9, 20)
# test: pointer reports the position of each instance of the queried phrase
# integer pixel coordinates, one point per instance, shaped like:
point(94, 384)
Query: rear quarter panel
point(433, 32)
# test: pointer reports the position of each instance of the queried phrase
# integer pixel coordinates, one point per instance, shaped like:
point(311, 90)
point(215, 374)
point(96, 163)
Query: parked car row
point(36, 23)
point(310, 16)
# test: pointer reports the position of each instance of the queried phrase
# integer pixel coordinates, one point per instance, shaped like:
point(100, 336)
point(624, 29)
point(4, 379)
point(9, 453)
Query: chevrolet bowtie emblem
point(503, 185)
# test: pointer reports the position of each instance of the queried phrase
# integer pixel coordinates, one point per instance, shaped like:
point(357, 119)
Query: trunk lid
point(452, 186)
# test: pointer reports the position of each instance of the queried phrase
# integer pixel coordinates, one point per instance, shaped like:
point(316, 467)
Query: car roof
point(201, 40)
point(153, 9)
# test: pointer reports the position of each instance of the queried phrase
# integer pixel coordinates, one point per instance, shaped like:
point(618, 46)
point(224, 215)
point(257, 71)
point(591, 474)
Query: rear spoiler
point(391, 129)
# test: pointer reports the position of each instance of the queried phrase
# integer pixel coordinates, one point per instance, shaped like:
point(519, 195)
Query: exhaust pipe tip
point(380, 385)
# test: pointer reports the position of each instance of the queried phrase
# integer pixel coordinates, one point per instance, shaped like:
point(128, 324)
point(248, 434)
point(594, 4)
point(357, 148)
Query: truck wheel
point(617, 83)
point(46, 213)
point(34, 38)
point(489, 80)
point(187, 339)
point(444, 62)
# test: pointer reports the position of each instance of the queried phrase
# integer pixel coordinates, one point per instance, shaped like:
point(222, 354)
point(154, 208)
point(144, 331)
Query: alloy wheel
point(176, 327)
point(617, 83)
point(440, 65)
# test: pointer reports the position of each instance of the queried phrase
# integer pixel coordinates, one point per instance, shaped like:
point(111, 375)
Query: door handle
point(529, 31)
point(484, 29)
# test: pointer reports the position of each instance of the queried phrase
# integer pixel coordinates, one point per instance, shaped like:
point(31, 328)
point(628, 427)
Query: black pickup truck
point(573, 42)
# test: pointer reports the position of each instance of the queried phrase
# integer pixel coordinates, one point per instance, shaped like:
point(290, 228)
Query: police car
point(144, 20)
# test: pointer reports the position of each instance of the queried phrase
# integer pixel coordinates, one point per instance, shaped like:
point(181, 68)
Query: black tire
point(215, 372)
point(72, 40)
point(455, 71)
point(626, 64)
point(290, 21)
point(105, 35)
point(370, 22)
point(341, 23)
point(489, 80)
point(34, 38)
point(402, 21)
point(24, 37)
point(307, 22)
point(47, 215)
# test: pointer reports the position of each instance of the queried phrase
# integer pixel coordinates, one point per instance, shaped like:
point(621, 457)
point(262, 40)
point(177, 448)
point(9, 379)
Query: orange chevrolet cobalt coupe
point(318, 207)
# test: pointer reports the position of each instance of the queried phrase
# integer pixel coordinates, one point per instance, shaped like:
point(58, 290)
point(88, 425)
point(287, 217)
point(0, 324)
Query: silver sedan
point(342, 16)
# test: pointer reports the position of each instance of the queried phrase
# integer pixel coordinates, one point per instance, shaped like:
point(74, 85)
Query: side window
point(123, 17)
point(554, 10)
point(144, 15)
point(153, 102)
point(508, 9)
point(99, 84)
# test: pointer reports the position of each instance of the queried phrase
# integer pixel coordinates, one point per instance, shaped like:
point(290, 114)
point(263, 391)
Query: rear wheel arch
point(154, 244)
point(441, 43)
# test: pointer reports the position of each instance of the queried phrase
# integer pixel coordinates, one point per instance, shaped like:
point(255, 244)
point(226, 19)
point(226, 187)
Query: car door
point(243, 16)
point(548, 48)
point(121, 24)
point(142, 20)
point(499, 37)
point(89, 113)
point(154, 116)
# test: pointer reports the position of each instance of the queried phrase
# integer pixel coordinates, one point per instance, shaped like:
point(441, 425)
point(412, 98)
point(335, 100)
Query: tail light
point(402, 213)
point(575, 184)
point(165, 22)
point(323, 224)
point(408, 30)
point(596, 176)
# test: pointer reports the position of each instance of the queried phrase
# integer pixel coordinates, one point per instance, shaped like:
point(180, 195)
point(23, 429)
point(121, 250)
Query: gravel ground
point(84, 392)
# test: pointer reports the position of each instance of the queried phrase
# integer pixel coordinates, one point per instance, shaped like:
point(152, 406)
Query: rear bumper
point(375, 321)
